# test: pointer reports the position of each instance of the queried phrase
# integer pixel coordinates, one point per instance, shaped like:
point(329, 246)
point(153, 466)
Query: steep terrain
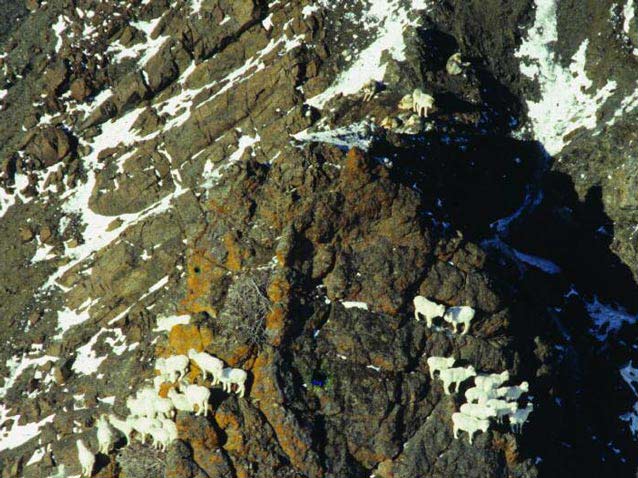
point(216, 159)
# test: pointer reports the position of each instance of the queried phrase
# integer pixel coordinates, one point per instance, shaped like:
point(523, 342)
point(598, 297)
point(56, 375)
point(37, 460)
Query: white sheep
point(519, 417)
point(160, 366)
point(491, 381)
point(170, 427)
point(139, 408)
point(471, 425)
point(86, 458)
point(370, 89)
point(180, 401)
point(124, 426)
point(235, 376)
point(479, 395)
point(436, 364)
point(484, 411)
point(207, 363)
point(462, 315)
point(164, 407)
point(161, 438)
point(428, 309)
point(455, 376)
point(198, 395)
point(502, 408)
point(176, 366)
point(513, 393)
point(455, 65)
point(144, 425)
point(105, 436)
point(422, 103)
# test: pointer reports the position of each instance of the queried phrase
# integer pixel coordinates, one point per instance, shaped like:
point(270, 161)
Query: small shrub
point(141, 461)
point(244, 314)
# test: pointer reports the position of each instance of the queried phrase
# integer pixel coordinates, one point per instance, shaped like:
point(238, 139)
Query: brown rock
point(45, 234)
point(50, 146)
point(26, 233)
point(80, 89)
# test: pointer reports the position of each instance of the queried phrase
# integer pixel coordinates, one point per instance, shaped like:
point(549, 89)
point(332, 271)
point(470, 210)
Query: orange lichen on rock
point(291, 437)
point(235, 256)
point(229, 422)
point(275, 322)
point(202, 273)
point(279, 288)
point(509, 448)
point(182, 338)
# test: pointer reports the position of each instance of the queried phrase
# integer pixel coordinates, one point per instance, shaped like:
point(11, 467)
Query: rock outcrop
point(216, 159)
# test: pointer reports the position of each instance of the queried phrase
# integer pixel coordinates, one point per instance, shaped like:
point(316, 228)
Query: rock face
point(220, 160)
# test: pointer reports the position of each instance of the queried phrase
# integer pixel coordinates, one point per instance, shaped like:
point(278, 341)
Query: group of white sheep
point(152, 415)
point(456, 316)
point(487, 399)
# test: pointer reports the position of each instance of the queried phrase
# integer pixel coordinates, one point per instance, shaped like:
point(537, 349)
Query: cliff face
point(219, 160)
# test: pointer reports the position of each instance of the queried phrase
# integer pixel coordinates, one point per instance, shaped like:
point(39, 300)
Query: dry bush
point(244, 314)
point(140, 461)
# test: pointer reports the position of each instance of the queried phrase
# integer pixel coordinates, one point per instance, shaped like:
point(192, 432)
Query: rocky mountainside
point(248, 168)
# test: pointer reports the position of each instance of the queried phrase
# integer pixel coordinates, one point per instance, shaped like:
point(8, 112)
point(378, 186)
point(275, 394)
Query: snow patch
point(630, 376)
point(354, 305)
point(564, 105)
point(20, 434)
point(354, 135)
point(165, 324)
point(607, 319)
point(545, 265)
point(389, 19)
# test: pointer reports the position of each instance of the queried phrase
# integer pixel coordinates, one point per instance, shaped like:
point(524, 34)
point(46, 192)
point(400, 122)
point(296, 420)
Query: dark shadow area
point(471, 177)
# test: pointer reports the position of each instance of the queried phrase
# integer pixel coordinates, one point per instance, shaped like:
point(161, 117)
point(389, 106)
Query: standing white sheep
point(180, 401)
point(436, 364)
point(462, 315)
point(207, 363)
point(471, 425)
point(105, 436)
point(198, 395)
point(519, 417)
point(502, 407)
point(513, 393)
point(160, 436)
point(123, 426)
point(491, 381)
point(176, 366)
point(479, 395)
point(170, 427)
point(144, 425)
point(163, 407)
point(428, 309)
point(484, 411)
point(235, 376)
point(422, 103)
point(86, 458)
point(455, 376)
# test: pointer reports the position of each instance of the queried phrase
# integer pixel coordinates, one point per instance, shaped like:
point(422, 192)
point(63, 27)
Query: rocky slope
point(216, 159)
